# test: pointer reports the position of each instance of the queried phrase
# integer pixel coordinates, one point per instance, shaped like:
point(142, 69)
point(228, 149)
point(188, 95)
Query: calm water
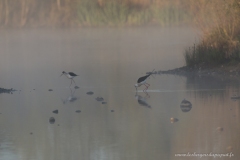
point(130, 126)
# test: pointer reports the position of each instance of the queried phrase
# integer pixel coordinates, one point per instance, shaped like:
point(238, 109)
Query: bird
point(69, 75)
point(142, 81)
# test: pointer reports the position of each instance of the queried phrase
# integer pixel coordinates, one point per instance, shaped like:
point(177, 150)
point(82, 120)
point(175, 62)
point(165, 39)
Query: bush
point(221, 33)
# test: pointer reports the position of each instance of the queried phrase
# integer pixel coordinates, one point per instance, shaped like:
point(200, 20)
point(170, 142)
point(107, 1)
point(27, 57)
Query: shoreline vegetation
point(219, 21)
point(220, 24)
point(92, 13)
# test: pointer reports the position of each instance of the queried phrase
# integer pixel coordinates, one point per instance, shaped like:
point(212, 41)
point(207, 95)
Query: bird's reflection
point(71, 98)
point(143, 100)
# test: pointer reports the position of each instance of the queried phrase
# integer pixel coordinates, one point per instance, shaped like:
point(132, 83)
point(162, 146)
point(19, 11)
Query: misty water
point(130, 125)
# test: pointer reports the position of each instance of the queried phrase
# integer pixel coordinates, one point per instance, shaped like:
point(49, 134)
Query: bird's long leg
point(145, 88)
point(146, 85)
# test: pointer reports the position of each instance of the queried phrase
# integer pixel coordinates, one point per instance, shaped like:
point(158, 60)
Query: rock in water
point(51, 120)
point(173, 120)
point(55, 111)
point(78, 111)
point(99, 99)
point(76, 87)
point(90, 93)
point(220, 129)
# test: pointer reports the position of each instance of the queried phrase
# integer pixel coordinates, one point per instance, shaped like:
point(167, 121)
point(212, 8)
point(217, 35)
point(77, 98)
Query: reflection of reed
point(216, 86)
point(206, 86)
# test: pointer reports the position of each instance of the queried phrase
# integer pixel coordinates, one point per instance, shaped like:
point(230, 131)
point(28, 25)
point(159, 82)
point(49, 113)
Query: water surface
point(131, 125)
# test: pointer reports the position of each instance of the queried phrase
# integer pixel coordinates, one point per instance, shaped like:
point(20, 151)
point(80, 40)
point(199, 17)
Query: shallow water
point(131, 125)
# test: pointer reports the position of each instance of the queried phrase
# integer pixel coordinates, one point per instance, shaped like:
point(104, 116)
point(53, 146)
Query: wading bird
point(142, 81)
point(69, 75)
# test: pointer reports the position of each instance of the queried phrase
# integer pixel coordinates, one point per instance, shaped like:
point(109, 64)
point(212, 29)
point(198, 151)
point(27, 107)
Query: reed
point(108, 12)
point(219, 22)
point(58, 13)
point(204, 54)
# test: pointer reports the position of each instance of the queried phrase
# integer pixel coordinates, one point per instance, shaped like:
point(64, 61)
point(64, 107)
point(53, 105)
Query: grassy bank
point(219, 20)
point(207, 54)
point(67, 13)
point(221, 34)
point(119, 13)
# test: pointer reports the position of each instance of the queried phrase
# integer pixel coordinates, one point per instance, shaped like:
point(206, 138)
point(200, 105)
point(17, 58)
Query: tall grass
point(219, 23)
point(93, 13)
point(90, 13)
point(202, 54)
point(30, 13)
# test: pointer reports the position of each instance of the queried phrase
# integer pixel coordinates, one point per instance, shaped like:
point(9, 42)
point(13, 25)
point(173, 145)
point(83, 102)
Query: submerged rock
point(90, 93)
point(51, 120)
point(185, 106)
point(99, 99)
point(50, 90)
point(173, 120)
point(104, 102)
point(112, 110)
point(76, 87)
point(78, 111)
point(55, 111)
point(220, 129)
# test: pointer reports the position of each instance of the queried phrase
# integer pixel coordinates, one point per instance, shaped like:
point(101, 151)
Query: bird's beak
point(61, 75)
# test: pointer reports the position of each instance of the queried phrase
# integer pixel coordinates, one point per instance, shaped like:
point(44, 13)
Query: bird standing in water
point(69, 75)
point(142, 81)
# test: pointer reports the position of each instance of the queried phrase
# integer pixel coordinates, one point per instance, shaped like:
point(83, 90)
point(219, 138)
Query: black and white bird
point(142, 81)
point(69, 75)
